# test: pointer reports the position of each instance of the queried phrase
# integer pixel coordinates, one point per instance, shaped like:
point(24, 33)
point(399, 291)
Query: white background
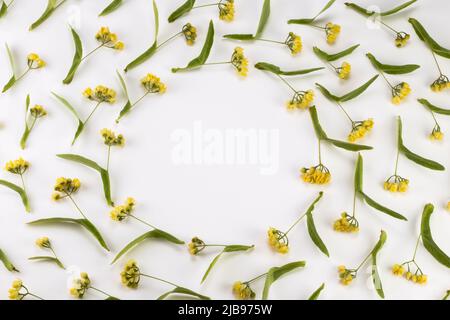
point(220, 204)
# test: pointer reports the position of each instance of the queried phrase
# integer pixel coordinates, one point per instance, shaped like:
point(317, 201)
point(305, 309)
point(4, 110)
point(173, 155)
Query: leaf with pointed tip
point(3, 10)
point(397, 8)
point(316, 293)
point(113, 6)
point(51, 7)
point(27, 130)
point(154, 234)
point(320, 133)
point(263, 19)
point(12, 80)
point(434, 108)
point(183, 291)
point(48, 259)
point(349, 96)
point(104, 174)
point(375, 274)
point(424, 162)
point(66, 103)
point(392, 69)
point(315, 237)
point(276, 70)
point(311, 20)
point(6, 262)
point(150, 51)
point(427, 237)
point(204, 54)
point(20, 191)
point(276, 272)
point(335, 56)
point(368, 13)
point(425, 37)
point(86, 224)
point(77, 58)
point(348, 146)
point(182, 10)
point(112, 298)
point(128, 106)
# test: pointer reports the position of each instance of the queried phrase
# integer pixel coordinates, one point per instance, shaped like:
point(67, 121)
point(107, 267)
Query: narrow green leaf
point(425, 37)
point(78, 56)
point(113, 6)
point(276, 70)
point(327, 94)
point(320, 133)
point(424, 162)
point(265, 13)
point(12, 80)
point(348, 146)
point(311, 20)
point(154, 234)
point(25, 135)
point(433, 108)
point(3, 10)
point(427, 238)
point(358, 91)
point(128, 105)
point(86, 224)
point(150, 51)
point(66, 103)
point(204, 54)
point(359, 174)
point(211, 265)
point(276, 272)
point(392, 69)
point(10, 83)
point(183, 9)
point(447, 295)
point(51, 7)
point(184, 291)
point(375, 274)
point(20, 191)
point(382, 208)
point(316, 293)
point(315, 237)
point(241, 37)
point(359, 9)
point(335, 56)
point(368, 13)
point(48, 259)
point(397, 9)
point(6, 262)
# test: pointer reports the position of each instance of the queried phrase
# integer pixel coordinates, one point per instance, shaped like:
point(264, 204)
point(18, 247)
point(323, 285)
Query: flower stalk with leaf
point(197, 245)
point(436, 133)
point(410, 269)
point(45, 243)
point(19, 292)
point(279, 240)
point(81, 285)
point(131, 277)
point(18, 167)
point(343, 72)
point(31, 116)
point(225, 7)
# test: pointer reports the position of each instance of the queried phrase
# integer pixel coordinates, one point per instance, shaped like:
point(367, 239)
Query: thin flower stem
point(387, 81)
point(287, 83)
point(23, 74)
point(396, 162)
point(387, 26)
point(348, 116)
point(57, 6)
point(102, 45)
point(354, 205)
point(256, 278)
point(215, 245)
point(32, 124)
point(437, 63)
point(215, 63)
point(295, 223)
point(318, 27)
point(417, 246)
point(76, 206)
point(268, 40)
point(171, 38)
point(434, 118)
point(320, 151)
point(92, 113)
point(23, 183)
point(33, 295)
point(109, 156)
point(101, 291)
point(142, 221)
point(159, 279)
point(206, 5)
point(139, 100)
point(364, 261)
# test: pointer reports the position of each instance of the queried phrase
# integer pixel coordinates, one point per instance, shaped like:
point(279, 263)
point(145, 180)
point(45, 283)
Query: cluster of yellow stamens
point(344, 70)
point(294, 43)
point(131, 275)
point(120, 213)
point(346, 223)
point(14, 291)
point(402, 39)
point(111, 139)
point(239, 61)
point(440, 84)
point(301, 100)
point(80, 285)
point(190, 33)
point(316, 175)
point(153, 84)
point(38, 111)
point(278, 240)
point(416, 277)
point(34, 61)
point(360, 129)
point(226, 10)
point(346, 275)
point(108, 39)
point(400, 92)
point(18, 166)
point(43, 242)
point(65, 187)
point(100, 94)
point(242, 291)
point(436, 134)
point(332, 31)
point(396, 183)
point(196, 245)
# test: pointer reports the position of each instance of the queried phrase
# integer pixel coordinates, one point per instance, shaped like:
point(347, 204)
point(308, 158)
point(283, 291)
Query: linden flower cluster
point(436, 134)
point(196, 245)
point(38, 111)
point(18, 166)
point(332, 31)
point(65, 187)
point(226, 10)
point(239, 61)
point(396, 183)
point(108, 39)
point(346, 275)
point(294, 43)
point(316, 175)
point(278, 240)
point(131, 275)
point(80, 285)
point(346, 223)
point(418, 277)
point(120, 213)
point(153, 84)
point(100, 94)
point(34, 61)
point(402, 39)
point(400, 92)
point(43, 242)
point(344, 70)
point(190, 33)
point(301, 100)
point(111, 139)
point(360, 129)
point(242, 291)
point(14, 291)
point(440, 84)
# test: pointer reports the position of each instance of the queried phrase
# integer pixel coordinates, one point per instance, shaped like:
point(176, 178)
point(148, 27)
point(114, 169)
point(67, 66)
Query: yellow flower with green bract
point(226, 10)
point(344, 70)
point(19, 292)
point(18, 167)
point(316, 175)
point(120, 213)
point(111, 139)
point(130, 275)
point(301, 100)
point(108, 39)
point(346, 223)
point(294, 43)
point(153, 84)
point(332, 31)
point(239, 61)
point(190, 33)
point(100, 94)
point(43, 242)
point(360, 129)
point(243, 291)
point(400, 92)
point(410, 270)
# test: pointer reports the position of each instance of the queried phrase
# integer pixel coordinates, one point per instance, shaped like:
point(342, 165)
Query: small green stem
point(100, 46)
point(33, 295)
point(354, 204)
point(396, 161)
point(159, 279)
point(216, 63)
point(268, 40)
point(387, 81)
point(101, 291)
point(345, 112)
point(23, 74)
point(171, 38)
point(287, 83)
point(437, 63)
point(295, 223)
point(387, 26)
point(320, 151)
point(76, 206)
point(109, 156)
point(92, 113)
point(417, 246)
point(256, 278)
point(364, 261)
point(58, 5)
point(206, 5)
point(142, 221)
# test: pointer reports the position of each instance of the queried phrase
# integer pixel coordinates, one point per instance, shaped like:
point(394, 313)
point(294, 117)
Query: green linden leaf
point(182, 10)
point(113, 6)
point(48, 259)
point(183, 291)
point(317, 293)
point(311, 20)
point(315, 237)
point(433, 108)
point(368, 13)
point(277, 70)
point(52, 5)
point(66, 104)
point(375, 274)
point(392, 69)
point(425, 37)
point(12, 80)
point(20, 191)
point(335, 56)
point(3, 9)
point(348, 96)
point(277, 272)
point(6, 262)
point(78, 56)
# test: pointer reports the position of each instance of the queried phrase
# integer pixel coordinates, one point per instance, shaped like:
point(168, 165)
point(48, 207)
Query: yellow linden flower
point(346, 224)
point(120, 213)
point(437, 134)
point(80, 286)
point(65, 187)
point(346, 275)
point(43, 242)
point(108, 39)
point(18, 166)
point(396, 183)
point(119, 45)
point(38, 111)
point(398, 270)
point(190, 33)
point(242, 291)
point(360, 129)
point(402, 39)
point(131, 275)
point(400, 92)
point(196, 245)
point(301, 100)
point(294, 43)
point(100, 94)
point(153, 84)
point(332, 31)
point(278, 240)
point(110, 139)
point(316, 175)
point(344, 71)
point(34, 61)
point(448, 206)
point(239, 61)
point(226, 10)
